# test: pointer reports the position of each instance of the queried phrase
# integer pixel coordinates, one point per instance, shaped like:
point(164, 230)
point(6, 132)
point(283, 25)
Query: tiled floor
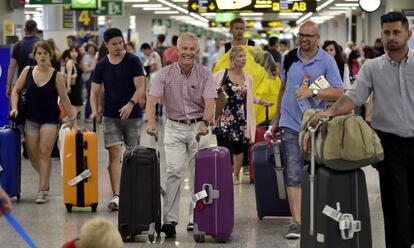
point(50, 225)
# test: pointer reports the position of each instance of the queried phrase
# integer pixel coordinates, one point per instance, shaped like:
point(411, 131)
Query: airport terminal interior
point(355, 25)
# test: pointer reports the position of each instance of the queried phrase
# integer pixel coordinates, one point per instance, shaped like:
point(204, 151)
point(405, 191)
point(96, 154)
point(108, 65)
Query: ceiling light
point(147, 5)
point(347, 4)
point(208, 14)
point(324, 5)
point(343, 8)
point(174, 6)
point(290, 14)
point(351, 0)
point(369, 5)
point(158, 8)
point(251, 14)
point(168, 12)
point(303, 18)
point(180, 1)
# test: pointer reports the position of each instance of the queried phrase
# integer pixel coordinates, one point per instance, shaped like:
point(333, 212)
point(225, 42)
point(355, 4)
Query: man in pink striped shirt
point(189, 96)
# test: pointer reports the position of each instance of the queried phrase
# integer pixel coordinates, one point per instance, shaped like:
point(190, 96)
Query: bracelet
point(132, 101)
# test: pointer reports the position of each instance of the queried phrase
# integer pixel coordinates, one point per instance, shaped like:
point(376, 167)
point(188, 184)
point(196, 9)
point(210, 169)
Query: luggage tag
point(197, 197)
point(85, 174)
point(332, 213)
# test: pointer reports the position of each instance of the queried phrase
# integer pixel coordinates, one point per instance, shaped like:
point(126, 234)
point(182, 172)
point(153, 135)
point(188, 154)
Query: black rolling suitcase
point(269, 184)
point(335, 210)
point(139, 199)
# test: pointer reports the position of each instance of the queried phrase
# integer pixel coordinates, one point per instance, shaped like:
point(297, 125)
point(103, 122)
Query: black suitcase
point(269, 184)
point(336, 214)
point(139, 199)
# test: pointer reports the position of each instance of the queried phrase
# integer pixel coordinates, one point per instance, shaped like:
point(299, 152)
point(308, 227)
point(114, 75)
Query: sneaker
point(114, 203)
point(47, 190)
point(169, 228)
point(190, 227)
point(41, 197)
point(294, 231)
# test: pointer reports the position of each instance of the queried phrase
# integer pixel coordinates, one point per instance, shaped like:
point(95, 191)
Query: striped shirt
point(184, 95)
point(392, 86)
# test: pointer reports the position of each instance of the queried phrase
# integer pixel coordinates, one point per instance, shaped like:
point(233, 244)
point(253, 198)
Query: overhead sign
point(67, 17)
point(50, 1)
point(84, 4)
point(110, 8)
point(224, 17)
point(250, 24)
point(203, 6)
point(162, 22)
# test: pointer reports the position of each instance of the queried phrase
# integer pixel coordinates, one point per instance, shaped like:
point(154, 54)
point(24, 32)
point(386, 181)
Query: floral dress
point(232, 122)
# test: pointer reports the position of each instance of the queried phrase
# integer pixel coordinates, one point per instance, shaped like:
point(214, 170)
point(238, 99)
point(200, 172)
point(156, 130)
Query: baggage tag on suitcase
point(85, 174)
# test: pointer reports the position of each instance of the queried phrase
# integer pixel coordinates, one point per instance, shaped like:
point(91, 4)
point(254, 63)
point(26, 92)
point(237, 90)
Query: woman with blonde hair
point(236, 125)
point(43, 85)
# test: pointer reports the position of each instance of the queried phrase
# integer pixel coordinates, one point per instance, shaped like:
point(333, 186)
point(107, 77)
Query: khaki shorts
point(118, 132)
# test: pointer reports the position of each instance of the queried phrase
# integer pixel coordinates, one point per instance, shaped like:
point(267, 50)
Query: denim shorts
point(34, 127)
point(118, 132)
point(292, 161)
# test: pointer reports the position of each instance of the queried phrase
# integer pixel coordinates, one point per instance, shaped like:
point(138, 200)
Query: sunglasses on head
point(391, 17)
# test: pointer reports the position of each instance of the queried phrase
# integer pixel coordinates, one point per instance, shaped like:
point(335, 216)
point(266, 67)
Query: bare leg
point(48, 137)
point(32, 148)
point(238, 162)
point(114, 167)
point(294, 196)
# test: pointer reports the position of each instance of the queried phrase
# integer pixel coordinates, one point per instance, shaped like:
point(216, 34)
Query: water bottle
point(304, 104)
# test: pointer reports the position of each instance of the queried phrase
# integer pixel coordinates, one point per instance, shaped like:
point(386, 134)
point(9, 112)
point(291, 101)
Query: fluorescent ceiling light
point(351, 0)
point(168, 12)
point(199, 17)
point(208, 14)
point(324, 5)
point(33, 5)
point(184, 1)
point(147, 5)
point(251, 14)
point(290, 14)
point(136, 1)
point(347, 4)
point(254, 18)
point(157, 8)
point(174, 6)
point(303, 18)
point(343, 8)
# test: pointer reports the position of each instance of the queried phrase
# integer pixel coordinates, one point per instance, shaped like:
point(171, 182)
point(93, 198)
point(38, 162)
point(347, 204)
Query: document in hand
point(319, 84)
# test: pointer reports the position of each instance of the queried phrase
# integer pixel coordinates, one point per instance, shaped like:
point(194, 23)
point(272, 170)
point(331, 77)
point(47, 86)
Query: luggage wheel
point(198, 236)
point(94, 207)
point(18, 197)
point(151, 232)
point(128, 237)
point(219, 240)
point(69, 207)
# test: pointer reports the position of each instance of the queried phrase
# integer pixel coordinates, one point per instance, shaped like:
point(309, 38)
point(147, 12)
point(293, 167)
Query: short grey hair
point(234, 51)
point(186, 36)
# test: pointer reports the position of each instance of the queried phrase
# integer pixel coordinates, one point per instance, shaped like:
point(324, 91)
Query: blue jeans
point(292, 161)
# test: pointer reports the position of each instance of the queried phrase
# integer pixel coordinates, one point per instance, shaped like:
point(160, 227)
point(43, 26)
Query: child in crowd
point(96, 233)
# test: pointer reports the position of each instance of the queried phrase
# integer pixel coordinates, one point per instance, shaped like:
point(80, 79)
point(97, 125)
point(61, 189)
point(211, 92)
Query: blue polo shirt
point(321, 64)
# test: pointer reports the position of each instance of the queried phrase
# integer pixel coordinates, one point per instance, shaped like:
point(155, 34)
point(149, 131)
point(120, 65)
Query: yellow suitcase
point(80, 155)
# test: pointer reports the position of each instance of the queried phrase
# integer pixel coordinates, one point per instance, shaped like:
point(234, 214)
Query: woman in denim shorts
point(43, 84)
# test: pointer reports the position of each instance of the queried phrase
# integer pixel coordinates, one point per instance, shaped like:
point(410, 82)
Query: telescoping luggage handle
point(280, 180)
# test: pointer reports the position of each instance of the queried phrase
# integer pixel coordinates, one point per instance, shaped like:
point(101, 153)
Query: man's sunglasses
point(392, 17)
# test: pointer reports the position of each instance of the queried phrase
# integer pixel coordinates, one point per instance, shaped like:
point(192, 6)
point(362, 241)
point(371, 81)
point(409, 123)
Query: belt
point(188, 121)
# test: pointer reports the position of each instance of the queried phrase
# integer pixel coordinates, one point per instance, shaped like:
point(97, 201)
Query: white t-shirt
point(154, 58)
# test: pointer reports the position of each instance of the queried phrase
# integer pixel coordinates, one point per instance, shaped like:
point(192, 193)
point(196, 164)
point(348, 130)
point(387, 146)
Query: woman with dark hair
point(43, 84)
point(335, 51)
point(354, 63)
point(73, 71)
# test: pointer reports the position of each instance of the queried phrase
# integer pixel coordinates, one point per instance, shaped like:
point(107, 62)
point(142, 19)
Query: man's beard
point(393, 47)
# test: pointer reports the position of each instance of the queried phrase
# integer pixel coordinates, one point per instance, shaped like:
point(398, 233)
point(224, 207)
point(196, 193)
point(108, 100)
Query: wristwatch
point(315, 92)
point(206, 122)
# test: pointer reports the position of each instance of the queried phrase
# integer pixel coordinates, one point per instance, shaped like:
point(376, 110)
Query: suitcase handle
point(212, 194)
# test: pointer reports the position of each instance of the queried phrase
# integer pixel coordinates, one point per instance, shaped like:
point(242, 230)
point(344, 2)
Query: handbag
point(342, 143)
point(221, 100)
point(21, 105)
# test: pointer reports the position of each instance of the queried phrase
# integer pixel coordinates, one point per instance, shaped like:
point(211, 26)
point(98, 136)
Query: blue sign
point(4, 101)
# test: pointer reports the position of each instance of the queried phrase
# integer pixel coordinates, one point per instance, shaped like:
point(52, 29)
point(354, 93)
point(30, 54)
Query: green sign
point(225, 17)
point(84, 4)
point(162, 22)
point(183, 28)
point(110, 8)
point(50, 1)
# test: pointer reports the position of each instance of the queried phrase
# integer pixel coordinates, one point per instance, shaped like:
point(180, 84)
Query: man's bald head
point(308, 36)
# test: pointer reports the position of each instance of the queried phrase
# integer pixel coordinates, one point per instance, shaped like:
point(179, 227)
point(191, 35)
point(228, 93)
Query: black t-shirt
point(23, 50)
point(118, 81)
point(275, 54)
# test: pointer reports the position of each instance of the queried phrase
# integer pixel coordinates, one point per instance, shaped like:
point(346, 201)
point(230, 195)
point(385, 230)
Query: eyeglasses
point(392, 17)
point(307, 36)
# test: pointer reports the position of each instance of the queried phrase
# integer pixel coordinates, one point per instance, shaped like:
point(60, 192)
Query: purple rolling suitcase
point(10, 161)
point(214, 215)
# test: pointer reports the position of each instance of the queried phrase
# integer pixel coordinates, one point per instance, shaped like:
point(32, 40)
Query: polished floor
point(50, 225)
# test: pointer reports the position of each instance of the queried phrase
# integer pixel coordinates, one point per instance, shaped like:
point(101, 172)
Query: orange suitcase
point(80, 156)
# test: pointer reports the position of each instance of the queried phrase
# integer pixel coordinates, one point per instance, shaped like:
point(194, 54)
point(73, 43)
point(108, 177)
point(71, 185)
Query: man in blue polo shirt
point(22, 53)
point(122, 75)
point(311, 60)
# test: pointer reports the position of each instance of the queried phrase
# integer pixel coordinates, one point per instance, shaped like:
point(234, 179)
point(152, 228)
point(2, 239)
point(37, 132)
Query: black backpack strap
point(224, 76)
point(250, 43)
point(289, 59)
point(227, 47)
